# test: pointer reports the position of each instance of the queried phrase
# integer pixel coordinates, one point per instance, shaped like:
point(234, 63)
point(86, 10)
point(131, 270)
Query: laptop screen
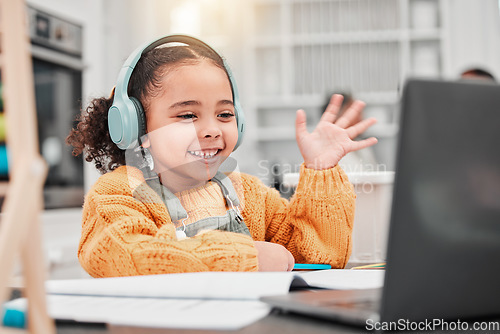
point(443, 258)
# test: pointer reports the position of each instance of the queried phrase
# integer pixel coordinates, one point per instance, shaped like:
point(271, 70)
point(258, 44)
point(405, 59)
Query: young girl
point(163, 207)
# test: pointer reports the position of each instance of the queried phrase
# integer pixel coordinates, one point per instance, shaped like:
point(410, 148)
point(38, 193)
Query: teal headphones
point(126, 118)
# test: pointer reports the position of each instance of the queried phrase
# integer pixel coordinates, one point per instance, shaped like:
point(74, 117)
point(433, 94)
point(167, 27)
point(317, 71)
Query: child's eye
point(186, 116)
point(226, 115)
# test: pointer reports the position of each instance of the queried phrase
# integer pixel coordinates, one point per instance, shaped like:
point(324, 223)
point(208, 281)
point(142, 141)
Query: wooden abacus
point(20, 231)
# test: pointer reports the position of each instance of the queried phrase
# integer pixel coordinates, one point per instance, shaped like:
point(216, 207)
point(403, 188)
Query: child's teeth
point(205, 155)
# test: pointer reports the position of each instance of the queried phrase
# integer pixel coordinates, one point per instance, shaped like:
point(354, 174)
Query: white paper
point(210, 285)
point(197, 314)
point(344, 279)
point(207, 300)
point(209, 314)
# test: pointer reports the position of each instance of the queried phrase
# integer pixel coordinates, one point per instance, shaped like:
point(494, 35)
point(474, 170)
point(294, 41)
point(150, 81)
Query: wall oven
point(56, 46)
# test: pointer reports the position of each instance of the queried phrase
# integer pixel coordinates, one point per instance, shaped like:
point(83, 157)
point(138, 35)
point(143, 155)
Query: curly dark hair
point(91, 136)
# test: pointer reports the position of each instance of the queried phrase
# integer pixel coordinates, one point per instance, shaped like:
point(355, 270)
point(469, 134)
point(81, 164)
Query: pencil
point(372, 266)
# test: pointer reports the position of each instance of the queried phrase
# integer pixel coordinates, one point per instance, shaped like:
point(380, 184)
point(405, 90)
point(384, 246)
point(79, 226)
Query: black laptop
point(443, 254)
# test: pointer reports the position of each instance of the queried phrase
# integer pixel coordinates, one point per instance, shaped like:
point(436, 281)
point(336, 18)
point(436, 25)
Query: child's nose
point(209, 129)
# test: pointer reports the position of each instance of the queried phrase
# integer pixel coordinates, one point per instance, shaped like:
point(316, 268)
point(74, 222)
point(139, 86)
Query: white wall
point(473, 36)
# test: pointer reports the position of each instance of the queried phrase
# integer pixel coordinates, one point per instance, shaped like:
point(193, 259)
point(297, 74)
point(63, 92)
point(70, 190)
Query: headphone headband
point(126, 119)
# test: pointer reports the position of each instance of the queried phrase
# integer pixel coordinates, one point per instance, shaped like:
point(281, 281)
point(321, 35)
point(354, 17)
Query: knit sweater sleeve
point(315, 225)
point(123, 236)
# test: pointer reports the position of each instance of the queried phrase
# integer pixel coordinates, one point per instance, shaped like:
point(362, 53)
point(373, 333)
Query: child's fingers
point(300, 124)
point(291, 261)
point(351, 114)
point(361, 127)
point(330, 114)
point(361, 144)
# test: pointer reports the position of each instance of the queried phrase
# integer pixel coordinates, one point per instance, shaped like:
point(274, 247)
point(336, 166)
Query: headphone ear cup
point(141, 117)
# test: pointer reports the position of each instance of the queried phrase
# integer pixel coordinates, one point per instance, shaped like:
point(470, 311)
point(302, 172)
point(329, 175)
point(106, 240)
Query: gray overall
point(232, 221)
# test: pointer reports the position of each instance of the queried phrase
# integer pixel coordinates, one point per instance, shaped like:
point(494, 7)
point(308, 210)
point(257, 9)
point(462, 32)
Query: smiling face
point(191, 124)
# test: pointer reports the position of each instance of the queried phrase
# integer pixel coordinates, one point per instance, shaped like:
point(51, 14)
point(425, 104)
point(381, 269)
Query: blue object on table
point(14, 318)
point(4, 160)
point(311, 266)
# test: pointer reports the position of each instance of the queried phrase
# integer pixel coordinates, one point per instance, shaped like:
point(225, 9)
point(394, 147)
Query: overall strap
point(173, 204)
point(229, 193)
point(227, 188)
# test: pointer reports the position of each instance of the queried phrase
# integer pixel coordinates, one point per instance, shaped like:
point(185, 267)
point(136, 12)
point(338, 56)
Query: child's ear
point(145, 142)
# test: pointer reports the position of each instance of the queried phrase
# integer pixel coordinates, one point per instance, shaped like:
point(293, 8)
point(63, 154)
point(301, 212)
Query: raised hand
point(333, 137)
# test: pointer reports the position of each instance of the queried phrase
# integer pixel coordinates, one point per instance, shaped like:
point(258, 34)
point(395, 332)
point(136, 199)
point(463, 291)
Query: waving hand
point(333, 137)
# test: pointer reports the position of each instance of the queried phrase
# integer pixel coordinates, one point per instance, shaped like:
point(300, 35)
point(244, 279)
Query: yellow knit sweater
point(127, 230)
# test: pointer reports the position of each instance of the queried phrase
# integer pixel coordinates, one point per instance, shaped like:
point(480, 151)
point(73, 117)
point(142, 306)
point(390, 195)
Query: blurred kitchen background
point(285, 55)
